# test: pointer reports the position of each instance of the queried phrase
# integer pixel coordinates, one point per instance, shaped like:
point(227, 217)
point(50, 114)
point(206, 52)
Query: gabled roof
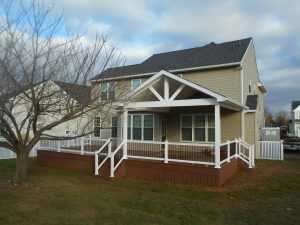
point(295, 104)
point(225, 101)
point(252, 101)
point(81, 93)
point(227, 53)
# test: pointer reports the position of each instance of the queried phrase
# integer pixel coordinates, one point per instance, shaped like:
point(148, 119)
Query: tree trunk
point(21, 167)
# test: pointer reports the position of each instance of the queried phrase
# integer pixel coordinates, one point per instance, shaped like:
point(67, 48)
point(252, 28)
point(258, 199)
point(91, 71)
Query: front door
point(163, 130)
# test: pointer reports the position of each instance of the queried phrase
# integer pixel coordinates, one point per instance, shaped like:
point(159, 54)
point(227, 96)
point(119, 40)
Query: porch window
point(140, 127)
point(137, 127)
point(198, 128)
point(114, 127)
point(199, 121)
point(187, 128)
point(148, 127)
point(97, 127)
point(107, 91)
point(211, 127)
point(135, 83)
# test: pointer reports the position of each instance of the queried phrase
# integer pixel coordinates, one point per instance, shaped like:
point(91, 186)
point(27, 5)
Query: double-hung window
point(140, 127)
point(135, 83)
point(198, 128)
point(107, 91)
point(97, 127)
point(114, 127)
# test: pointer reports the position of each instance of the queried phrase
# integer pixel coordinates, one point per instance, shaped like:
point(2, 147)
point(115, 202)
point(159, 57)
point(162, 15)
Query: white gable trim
point(157, 76)
point(297, 108)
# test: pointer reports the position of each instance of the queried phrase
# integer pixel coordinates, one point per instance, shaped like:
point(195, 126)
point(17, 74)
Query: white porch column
point(217, 135)
point(125, 119)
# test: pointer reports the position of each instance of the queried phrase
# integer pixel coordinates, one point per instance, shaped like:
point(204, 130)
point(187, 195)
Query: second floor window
point(135, 83)
point(107, 91)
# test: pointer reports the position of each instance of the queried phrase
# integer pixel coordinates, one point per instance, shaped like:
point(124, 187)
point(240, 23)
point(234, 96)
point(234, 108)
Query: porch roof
point(164, 90)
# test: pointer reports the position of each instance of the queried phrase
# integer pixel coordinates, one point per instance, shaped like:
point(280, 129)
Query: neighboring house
point(79, 94)
point(207, 94)
point(295, 118)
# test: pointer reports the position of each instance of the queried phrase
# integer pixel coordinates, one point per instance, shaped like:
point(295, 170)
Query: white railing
point(116, 158)
point(104, 151)
point(79, 145)
point(171, 152)
point(271, 150)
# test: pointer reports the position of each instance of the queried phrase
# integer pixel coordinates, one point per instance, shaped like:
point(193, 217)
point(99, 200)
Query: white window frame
point(142, 126)
point(193, 127)
point(94, 128)
point(140, 80)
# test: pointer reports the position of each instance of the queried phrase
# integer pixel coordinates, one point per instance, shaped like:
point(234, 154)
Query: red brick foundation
point(147, 170)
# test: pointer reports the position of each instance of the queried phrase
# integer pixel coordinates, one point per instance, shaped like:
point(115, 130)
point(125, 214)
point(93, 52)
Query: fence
point(271, 150)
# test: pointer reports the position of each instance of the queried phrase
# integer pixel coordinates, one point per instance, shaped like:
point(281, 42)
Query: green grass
point(269, 195)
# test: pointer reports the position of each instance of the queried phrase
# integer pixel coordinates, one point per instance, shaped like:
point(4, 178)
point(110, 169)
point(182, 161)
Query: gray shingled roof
point(81, 93)
point(252, 101)
point(208, 55)
point(295, 104)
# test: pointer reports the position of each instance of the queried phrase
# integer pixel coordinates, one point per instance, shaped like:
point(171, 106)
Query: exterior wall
point(249, 72)
point(222, 81)
point(230, 125)
point(251, 130)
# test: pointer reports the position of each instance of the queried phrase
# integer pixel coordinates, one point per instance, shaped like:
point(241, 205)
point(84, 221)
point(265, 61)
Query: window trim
point(139, 79)
point(193, 127)
point(108, 91)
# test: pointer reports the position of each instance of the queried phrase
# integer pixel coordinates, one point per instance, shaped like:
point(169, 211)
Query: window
point(97, 127)
point(137, 127)
point(148, 127)
point(107, 91)
point(114, 127)
point(198, 128)
point(250, 85)
point(140, 127)
point(187, 128)
point(135, 83)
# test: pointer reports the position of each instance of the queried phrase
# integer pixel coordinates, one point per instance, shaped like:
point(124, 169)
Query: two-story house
point(207, 94)
point(295, 117)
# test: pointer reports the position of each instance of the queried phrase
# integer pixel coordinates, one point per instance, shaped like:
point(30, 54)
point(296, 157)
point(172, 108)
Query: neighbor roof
point(209, 55)
point(81, 93)
point(295, 104)
point(252, 101)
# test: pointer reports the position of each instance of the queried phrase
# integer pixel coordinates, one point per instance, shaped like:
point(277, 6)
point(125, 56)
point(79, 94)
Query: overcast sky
point(140, 28)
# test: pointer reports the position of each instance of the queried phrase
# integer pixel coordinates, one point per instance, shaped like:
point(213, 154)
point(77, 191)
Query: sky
point(140, 28)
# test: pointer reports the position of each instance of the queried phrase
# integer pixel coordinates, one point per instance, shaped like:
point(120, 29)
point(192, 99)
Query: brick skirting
point(145, 169)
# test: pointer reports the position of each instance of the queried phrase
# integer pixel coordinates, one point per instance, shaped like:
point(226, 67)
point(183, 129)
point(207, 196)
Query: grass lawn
point(269, 195)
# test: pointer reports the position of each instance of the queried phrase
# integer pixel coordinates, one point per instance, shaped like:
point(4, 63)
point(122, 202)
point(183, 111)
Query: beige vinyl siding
point(222, 81)
point(250, 71)
point(230, 125)
point(250, 127)
point(252, 131)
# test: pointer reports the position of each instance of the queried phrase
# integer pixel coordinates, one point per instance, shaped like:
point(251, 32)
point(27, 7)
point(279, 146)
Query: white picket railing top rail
point(103, 146)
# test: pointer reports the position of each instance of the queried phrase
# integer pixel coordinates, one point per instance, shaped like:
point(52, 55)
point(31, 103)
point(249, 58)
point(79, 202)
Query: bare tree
point(32, 56)
point(281, 119)
point(268, 117)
